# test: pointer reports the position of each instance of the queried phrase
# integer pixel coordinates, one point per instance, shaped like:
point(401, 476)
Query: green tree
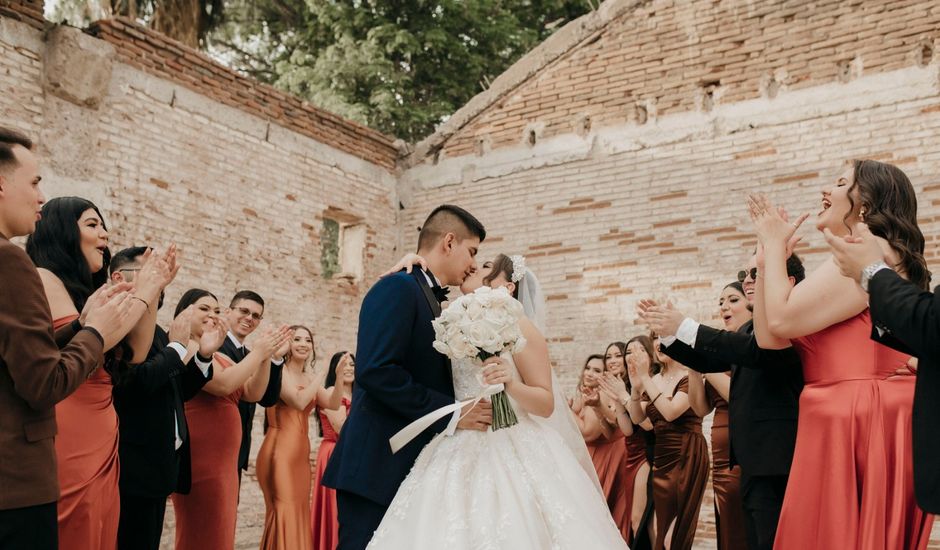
point(401, 66)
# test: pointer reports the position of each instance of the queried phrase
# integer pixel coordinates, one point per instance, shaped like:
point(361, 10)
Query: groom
point(400, 377)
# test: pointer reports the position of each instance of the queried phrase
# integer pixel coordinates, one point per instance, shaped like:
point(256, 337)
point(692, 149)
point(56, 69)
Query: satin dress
point(206, 517)
point(609, 456)
point(323, 520)
point(726, 481)
point(283, 468)
point(87, 453)
point(680, 473)
point(851, 484)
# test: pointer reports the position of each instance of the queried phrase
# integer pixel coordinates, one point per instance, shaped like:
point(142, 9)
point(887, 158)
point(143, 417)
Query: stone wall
point(239, 175)
point(601, 157)
point(615, 157)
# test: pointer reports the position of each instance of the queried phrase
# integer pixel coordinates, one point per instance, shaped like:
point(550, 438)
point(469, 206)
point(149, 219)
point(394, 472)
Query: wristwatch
point(869, 272)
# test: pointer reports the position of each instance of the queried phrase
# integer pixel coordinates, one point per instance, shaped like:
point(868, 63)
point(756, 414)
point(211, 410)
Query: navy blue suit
point(399, 378)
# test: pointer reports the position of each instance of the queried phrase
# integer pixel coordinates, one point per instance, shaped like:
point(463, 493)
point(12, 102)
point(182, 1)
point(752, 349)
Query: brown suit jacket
point(34, 376)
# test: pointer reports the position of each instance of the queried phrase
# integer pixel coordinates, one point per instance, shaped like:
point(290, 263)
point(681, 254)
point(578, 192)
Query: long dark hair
point(623, 353)
point(655, 365)
point(890, 211)
point(189, 298)
point(56, 246)
point(331, 378)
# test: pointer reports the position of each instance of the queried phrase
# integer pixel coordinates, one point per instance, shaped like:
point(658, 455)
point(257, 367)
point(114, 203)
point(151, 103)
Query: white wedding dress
point(519, 488)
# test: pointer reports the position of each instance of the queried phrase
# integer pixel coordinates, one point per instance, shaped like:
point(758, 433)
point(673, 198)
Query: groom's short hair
point(448, 218)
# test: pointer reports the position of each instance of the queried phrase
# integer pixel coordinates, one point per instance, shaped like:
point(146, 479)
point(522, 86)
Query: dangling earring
point(861, 214)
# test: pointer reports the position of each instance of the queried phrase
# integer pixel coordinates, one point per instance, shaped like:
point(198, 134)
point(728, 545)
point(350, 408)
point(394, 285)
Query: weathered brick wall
point(238, 175)
point(610, 207)
point(615, 157)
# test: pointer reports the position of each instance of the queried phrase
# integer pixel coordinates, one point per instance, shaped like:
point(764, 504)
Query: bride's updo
point(502, 265)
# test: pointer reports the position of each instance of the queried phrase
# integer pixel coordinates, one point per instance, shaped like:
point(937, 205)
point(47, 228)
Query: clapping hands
point(772, 224)
point(663, 319)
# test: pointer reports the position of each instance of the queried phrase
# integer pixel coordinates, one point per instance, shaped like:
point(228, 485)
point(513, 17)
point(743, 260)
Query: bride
point(531, 486)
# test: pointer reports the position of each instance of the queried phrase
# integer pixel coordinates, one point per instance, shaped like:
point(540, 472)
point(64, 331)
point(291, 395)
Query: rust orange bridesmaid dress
point(87, 452)
point(205, 518)
point(323, 522)
point(283, 469)
point(851, 484)
point(609, 455)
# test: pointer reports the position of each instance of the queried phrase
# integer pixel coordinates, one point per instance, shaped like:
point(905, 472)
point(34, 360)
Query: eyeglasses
point(742, 275)
point(131, 269)
point(248, 312)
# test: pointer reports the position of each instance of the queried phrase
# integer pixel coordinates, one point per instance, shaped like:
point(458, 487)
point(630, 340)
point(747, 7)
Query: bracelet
point(142, 300)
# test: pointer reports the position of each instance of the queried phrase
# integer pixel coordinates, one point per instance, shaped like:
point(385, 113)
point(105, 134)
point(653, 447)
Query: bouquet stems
point(503, 414)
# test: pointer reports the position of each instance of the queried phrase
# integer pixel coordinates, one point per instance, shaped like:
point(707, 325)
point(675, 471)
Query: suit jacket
point(764, 399)
point(399, 378)
point(246, 409)
point(910, 318)
point(147, 401)
point(34, 376)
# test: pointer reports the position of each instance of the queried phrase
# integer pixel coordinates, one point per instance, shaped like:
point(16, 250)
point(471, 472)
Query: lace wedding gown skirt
point(517, 488)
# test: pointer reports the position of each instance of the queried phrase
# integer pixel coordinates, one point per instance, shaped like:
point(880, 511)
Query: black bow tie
point(440, 293)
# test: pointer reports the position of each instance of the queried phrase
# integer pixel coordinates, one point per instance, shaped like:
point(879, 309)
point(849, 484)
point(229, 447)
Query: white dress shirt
point(452, 425)
point(203, 367)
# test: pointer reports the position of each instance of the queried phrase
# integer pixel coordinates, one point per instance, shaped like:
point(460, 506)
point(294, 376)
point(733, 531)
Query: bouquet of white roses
point(481, 325)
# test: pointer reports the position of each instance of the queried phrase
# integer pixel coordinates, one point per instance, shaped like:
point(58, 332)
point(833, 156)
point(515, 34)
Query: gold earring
point(861, 214)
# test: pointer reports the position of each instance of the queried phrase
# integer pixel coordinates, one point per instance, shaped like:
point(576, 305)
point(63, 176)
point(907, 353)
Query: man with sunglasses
point(763, 404)
point(244, 315)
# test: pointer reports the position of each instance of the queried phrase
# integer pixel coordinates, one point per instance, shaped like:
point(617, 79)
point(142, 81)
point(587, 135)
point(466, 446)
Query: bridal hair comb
point(518, 268)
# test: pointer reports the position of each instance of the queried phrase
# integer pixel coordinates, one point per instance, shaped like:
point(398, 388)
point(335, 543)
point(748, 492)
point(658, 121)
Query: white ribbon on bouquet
point(413, 430)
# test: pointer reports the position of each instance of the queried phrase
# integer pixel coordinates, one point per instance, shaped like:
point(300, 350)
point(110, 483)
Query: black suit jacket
point(765, 394)
point(400, 377)
point(910, 318)
point(146, 402)
point(246, 409)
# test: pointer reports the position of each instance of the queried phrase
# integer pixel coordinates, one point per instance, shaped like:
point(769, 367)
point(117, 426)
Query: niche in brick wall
point(342, 245)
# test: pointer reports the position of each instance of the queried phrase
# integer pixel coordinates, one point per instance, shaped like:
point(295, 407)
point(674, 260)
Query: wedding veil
point(561, 419)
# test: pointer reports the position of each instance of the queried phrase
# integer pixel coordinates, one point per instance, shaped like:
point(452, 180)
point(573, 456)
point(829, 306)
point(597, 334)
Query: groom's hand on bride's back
point(478, 418)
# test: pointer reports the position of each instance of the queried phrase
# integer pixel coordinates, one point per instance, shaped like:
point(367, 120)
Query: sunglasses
point(742, 275)
point(246, 311)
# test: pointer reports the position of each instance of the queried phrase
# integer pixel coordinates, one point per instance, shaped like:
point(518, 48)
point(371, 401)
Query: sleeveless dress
point(283, 469)
point(86, 449)
point(323, 521)
point(680, 473)
point(205, 518)
point(609, 456)
point(726, 481)
point(519, 488)
point(636, 447)
point(851, 484)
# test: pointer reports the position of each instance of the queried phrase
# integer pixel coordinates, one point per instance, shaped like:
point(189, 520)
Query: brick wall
point(243, 192)
point(616, 187)
point(611, 206)
point(27, 11)
point(638, 60)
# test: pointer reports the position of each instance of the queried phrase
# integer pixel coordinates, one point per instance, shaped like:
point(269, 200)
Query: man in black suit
point(243, 316)
point(154, 437)
point(763, 404)
point(907, 318)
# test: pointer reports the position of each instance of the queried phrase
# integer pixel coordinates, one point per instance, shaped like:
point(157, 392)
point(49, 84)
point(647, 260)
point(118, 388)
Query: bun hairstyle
point(502, 265)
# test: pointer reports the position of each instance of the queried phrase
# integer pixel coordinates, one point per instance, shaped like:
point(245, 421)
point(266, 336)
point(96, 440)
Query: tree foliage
point(401, 66)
